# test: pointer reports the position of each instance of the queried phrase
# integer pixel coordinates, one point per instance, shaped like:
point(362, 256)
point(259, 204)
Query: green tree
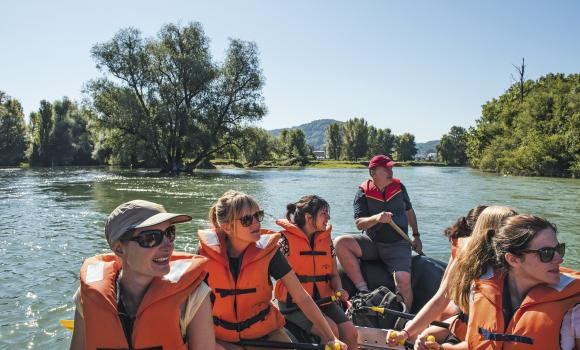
point(451, 149)
point(12, 131)
point(256, 146)
point(171, 96)
point(355, 138)
point(334, 141)
point(405, 147)
point(42, 124)
point(533, 135)
point(380, 141)
point(293, 142)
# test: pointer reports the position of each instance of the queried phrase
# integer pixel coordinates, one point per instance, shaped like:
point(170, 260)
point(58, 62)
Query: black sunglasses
point(153, 238)
point(247, 220)
point(546, 254)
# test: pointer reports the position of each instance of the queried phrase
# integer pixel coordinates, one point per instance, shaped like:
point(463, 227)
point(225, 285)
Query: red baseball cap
point(381, 160)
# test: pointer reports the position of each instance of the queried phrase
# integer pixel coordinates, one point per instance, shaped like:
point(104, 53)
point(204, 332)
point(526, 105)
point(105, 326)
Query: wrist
point(416, 234)
point(406, 332)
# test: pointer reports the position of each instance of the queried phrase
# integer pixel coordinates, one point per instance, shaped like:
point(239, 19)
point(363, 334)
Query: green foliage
point(60, 135)
point(334, 141)
point(451, 149)
point(170, 97)
point(405, 148)
point(12, 131)
point(293, 145)
point(381, 141)
point(539, 135)
point(355, 138)
point(257, 146)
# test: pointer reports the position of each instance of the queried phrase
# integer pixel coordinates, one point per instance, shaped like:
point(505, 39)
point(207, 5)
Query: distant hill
point(424, 148)
point(314, 132)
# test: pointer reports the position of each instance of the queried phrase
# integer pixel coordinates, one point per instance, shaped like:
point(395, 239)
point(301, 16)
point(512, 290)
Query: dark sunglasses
point(546, 254)
point(247, 220)
point(153, 238)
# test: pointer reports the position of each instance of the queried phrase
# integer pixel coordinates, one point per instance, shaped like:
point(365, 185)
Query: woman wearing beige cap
point(143, 295)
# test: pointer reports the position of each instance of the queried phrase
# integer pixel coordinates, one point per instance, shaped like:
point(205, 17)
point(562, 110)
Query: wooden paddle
point(405, 237)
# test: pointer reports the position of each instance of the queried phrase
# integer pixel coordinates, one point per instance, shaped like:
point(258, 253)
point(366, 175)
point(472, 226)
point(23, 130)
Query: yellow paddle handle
point(380, 310)
point(431, 338)
point(394, 335)
point(68, 324)
point(336, 347)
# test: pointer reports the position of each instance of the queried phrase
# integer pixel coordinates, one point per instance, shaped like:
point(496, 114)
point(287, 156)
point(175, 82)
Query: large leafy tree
point(293, 143)
point(12, 131)
point(405, 147)
point(532, 134)
point(167, 93)
point(355, 138)
point(381, 141)
point(257, 145)
point(451, 149)
point(334, 141)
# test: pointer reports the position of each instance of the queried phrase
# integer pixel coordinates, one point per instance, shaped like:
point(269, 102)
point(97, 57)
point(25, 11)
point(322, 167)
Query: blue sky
point(412, 66)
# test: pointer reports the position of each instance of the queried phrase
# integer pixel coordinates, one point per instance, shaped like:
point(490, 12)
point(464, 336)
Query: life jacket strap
point(229, 292)
point(312, 252)
point(240, 326)
point(463, 317)
point(316, 278)
point(505, 337)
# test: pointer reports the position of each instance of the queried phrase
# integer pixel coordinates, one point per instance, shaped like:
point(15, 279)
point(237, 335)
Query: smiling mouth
point(163, 260)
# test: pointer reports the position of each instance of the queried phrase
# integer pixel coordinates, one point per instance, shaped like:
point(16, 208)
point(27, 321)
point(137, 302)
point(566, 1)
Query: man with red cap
point(378, 201)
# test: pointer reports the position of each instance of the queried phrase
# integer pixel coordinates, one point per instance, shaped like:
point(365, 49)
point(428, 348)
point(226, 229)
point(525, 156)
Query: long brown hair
point(516, 234)
point(478, 254)
point(463, 227)
point(229, 207)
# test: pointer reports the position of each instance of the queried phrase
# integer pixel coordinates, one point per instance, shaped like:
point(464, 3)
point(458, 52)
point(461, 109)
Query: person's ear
point(228, 227)
point(118, 248)
point(512, 260)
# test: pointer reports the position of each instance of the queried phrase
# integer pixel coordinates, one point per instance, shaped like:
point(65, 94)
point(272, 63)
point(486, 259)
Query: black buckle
point(505, 337)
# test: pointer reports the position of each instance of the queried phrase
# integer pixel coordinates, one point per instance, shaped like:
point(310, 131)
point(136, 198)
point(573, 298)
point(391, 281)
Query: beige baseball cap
point(137, 214)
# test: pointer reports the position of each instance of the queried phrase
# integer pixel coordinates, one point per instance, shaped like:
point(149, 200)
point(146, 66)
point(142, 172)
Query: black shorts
point(396, 256)
point(332, 311)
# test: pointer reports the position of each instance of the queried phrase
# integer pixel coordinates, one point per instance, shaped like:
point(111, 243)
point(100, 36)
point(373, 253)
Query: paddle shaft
point(281, 345)
point(404, 235)
point(408, 316)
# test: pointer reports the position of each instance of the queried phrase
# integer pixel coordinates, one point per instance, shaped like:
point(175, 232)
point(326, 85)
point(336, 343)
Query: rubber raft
point(426, 276)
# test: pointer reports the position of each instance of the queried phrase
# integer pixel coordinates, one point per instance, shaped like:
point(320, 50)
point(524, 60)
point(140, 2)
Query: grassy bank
point(316, 164)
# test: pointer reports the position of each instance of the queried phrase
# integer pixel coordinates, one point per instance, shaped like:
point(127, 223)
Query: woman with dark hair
point(307, 244)
point(525, 299)
point(242, 260)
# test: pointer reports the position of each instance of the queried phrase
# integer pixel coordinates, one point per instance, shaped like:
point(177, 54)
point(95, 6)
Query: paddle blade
point(68, 324)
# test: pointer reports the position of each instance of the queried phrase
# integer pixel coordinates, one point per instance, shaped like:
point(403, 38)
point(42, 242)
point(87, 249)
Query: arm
point(363, 223)
point(200, 331)
point(78, 338)
point(336, 283)
point(412, 221)
point(308, 306)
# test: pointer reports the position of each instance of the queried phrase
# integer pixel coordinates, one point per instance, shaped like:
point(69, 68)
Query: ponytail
point(296, 212)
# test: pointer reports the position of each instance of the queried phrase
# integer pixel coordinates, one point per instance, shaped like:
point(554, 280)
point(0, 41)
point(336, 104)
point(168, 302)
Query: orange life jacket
point(534, 326)
point(458, 246)
point(157, 319)
point(242, 309)
point(312, 265)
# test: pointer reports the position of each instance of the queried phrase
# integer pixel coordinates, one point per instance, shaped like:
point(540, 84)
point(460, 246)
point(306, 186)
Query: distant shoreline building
point(320, 155)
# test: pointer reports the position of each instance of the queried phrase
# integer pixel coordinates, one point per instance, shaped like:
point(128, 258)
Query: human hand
point(342, 295)
point(417, 244)
point(395, 338)
point(335, 344)
point(426, 342)
point(385, 217)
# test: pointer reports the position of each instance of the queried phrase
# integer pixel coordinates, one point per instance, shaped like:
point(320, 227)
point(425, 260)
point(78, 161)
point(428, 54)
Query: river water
point(52, 219)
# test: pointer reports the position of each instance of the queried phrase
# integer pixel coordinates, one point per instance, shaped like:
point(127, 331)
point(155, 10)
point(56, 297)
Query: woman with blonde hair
point(489, 218)
point(242, 259)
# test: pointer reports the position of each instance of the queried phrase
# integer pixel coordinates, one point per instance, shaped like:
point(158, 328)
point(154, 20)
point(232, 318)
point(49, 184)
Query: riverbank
point(315, 164)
